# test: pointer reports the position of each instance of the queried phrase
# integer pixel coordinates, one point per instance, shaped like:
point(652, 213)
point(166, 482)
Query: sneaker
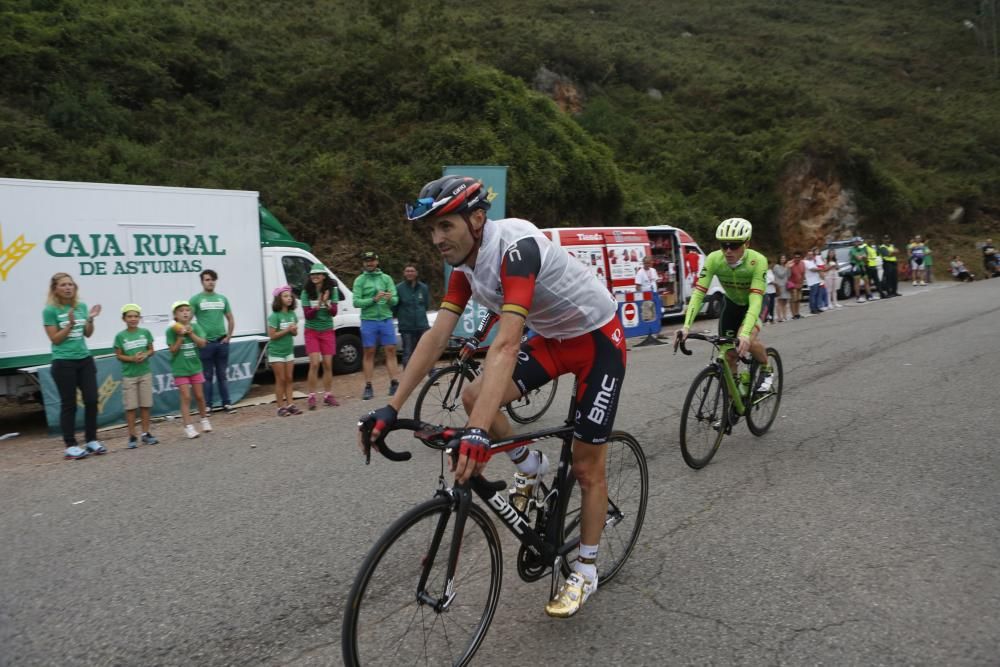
point(228, 409)
point(877, 297)
point(571, 596)
point(838, 306)
point(96, 447)
point(861, 300)
point(76, 452)
point(393, 386)
point(206, 426)
point(368, 394)
point(283, 412)
point(766, 380)
point(331, 401)
point(293, 409)
point(311, 402)
point(190, 432)
point(523, 488)
point(148, 439)
point(133, 442)
point(923, 284)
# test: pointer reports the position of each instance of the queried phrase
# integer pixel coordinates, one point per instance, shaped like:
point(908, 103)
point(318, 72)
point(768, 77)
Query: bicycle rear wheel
point(628, 491)
point(440, 400)
point(704, 418)
point(764, 405)
point(533, 405)
point(389, 618)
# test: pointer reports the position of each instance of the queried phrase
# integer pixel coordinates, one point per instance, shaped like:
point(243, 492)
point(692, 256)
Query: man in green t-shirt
point(215, 316)
point(375, 294)
point(134, 347)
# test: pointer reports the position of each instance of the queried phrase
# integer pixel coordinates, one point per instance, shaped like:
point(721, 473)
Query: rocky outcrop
point(815, 205)
point(561, 89)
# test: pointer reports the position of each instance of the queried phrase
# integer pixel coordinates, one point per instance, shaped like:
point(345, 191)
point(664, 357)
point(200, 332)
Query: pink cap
point(279, 290)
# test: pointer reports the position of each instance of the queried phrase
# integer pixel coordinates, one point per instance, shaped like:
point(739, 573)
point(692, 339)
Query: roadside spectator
point(645, 278)
point(871, 252)
point(916, 250)
point(134, 347)
point(959, 271)
point(184, 339)
point(832, 278)
point(216, 318)
point(375, 295)
point(320, 298)
point(813, 281)
point(770, 295)
point(796, 278)
point(928, 262)
point(824, 297)
point(781, 277)
point(859, 268)
point(411, 310)
point(991, 261)
point(67, 323)
point(890, 274)
point(282, 327)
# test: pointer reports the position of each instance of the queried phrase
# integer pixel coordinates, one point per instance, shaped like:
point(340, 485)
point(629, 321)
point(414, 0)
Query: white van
point(146, 245)
point(615, 254)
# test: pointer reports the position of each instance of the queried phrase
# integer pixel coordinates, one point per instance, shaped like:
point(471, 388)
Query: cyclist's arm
point(518, 272)
point(698, 294)
point(434, 342)
point(755, 300)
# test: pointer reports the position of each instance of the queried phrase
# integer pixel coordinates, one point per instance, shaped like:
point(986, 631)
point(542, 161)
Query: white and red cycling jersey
point(519, 270)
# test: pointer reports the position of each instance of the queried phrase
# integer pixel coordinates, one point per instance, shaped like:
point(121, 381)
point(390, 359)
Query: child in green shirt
point(183, 341)
point(282, 325)
point(134, 347)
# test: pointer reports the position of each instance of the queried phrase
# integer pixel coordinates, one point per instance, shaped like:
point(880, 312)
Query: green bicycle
point(715, 401)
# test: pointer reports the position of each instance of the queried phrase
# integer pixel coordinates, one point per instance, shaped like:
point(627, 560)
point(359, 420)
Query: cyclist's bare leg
point(500, 428)
point(590, 473)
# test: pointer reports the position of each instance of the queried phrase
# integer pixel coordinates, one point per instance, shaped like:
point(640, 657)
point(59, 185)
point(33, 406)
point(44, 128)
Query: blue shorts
point(377, 332)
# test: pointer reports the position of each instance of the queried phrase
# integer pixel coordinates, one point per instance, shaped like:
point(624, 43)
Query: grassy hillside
point(337, 112)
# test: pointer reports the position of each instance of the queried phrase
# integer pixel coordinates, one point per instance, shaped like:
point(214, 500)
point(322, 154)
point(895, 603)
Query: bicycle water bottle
point(745, 384)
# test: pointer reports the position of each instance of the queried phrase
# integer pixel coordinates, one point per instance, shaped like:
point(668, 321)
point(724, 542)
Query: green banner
point(110, 408)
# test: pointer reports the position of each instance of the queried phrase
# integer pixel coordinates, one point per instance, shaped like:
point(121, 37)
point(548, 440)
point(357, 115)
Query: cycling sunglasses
point(726, 245)
point(422, 207)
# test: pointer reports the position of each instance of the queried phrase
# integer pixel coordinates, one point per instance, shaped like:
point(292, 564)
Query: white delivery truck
point(146, 245)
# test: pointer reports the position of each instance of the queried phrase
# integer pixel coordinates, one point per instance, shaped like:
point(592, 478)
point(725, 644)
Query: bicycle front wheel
point(628, 491)
point(764, 405)
point(533, 405)
point(394, 614)
point(704, 418)
point(440, 400)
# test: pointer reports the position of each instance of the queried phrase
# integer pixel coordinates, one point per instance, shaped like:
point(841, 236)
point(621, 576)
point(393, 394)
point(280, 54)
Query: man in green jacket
point(411, 311)
point(375, 295)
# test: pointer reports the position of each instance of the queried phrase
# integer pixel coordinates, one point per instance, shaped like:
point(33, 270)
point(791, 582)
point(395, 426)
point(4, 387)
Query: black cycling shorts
point(733, 314)
point(597, 359)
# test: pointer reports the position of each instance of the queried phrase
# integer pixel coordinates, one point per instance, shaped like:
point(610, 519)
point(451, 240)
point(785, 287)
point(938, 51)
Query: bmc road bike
point(716, 401)
point(440, 399)
point(429, 587)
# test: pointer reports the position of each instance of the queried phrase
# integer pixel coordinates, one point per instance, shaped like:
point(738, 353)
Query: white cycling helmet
point(734, 229)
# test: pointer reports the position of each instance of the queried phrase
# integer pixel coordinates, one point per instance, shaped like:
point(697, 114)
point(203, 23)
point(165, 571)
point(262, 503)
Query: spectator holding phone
point(375, 294)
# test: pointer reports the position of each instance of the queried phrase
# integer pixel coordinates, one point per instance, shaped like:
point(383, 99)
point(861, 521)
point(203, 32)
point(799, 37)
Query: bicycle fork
point(460, 496)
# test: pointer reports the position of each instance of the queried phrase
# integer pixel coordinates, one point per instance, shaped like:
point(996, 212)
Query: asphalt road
point(864, 529)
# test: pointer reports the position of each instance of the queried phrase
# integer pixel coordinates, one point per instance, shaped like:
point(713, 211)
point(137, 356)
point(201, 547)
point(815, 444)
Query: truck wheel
point(349, 352)
point(714, 307)
point(846, 289)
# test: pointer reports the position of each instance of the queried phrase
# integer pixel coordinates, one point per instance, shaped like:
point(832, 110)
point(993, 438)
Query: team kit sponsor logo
point(11, 254)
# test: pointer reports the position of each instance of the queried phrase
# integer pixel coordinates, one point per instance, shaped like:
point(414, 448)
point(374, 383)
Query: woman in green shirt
point(68, 322)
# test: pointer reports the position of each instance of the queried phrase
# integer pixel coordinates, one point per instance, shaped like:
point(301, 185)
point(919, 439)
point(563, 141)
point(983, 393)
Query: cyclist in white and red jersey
point(510, 267)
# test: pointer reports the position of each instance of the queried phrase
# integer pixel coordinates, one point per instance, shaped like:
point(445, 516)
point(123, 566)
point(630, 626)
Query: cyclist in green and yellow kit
point(743, 275)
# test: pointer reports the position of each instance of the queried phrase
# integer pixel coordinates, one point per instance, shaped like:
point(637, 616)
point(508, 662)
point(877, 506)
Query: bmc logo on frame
point(11, 254)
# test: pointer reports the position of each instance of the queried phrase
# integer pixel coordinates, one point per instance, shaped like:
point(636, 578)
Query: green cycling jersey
point(743, 284)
